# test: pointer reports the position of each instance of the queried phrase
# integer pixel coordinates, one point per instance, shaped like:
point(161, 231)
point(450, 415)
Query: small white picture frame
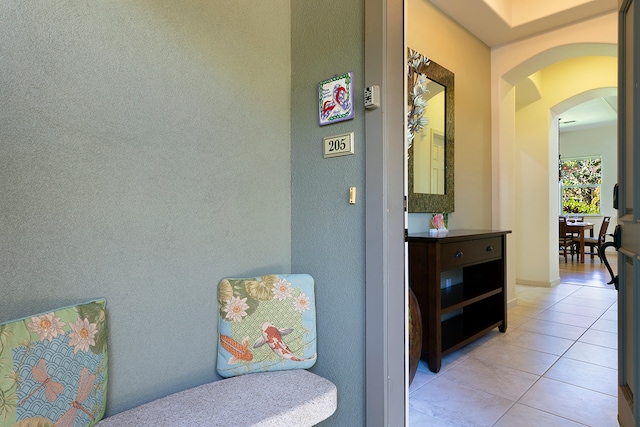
point(335, 99)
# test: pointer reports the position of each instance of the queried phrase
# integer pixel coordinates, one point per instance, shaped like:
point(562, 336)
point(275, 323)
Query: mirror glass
point(428, 144)
point(430, 135)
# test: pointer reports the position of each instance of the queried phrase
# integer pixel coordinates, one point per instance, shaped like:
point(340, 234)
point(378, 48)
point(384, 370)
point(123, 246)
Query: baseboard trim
point(537, 283)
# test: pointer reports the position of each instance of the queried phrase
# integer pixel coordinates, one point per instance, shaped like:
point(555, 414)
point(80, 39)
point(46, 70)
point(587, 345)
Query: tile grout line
point(573, 293)
point(558, 359)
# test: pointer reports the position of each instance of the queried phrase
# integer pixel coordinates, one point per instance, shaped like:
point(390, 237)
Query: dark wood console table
point(473, 307)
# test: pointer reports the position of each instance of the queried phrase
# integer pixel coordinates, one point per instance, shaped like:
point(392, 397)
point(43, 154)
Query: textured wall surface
point(144, 155)
point(327, 232)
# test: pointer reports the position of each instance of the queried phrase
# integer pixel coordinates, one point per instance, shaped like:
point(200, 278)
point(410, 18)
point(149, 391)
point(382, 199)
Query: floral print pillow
point(53, 368)
point(266, 323)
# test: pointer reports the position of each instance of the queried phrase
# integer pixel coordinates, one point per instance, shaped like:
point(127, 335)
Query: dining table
point(580, 227)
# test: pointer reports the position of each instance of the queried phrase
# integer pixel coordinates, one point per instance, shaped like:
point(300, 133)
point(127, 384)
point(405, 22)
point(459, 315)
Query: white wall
point(511, 64)
point(433, 34)
point(536, 145)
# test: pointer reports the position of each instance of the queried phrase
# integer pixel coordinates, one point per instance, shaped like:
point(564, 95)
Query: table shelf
point(459, 331)
point(459, 296)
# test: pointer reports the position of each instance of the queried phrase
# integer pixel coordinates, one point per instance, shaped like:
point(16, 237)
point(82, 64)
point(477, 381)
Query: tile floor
point(555, 366)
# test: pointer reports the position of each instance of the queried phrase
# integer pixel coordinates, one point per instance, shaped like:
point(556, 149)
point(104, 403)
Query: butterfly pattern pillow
point(266, 323)
point(53, 368)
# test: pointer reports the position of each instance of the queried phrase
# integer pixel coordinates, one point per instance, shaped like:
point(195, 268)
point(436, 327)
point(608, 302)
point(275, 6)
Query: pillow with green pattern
point(53, 368)
point(266, 323)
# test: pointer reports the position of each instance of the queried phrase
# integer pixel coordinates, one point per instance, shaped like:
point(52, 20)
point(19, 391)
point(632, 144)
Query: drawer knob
point(459, 254)
point(489, 248)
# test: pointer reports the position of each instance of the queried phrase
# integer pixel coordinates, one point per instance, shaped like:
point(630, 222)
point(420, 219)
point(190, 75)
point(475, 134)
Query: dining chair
point(565, 241)
point(595, 243)
point(574, 218)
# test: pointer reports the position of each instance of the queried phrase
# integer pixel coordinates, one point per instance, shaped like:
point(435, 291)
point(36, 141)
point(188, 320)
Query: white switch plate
point(338, 145)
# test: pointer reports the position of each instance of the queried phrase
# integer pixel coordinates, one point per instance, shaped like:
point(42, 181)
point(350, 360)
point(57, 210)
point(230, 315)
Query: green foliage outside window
point(581, 181)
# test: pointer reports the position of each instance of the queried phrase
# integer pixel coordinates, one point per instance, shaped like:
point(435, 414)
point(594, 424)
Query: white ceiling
point(593, 113)
point(498, 22)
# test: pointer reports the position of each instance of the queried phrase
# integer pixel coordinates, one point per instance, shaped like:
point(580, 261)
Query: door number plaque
point(338, 145)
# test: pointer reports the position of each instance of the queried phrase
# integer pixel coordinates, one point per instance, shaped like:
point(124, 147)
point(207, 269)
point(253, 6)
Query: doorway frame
point(386, 289)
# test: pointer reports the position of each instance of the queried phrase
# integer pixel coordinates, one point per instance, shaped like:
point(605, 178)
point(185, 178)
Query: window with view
point(580, 184)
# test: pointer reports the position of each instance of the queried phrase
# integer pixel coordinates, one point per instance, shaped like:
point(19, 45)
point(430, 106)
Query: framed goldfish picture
point(335, 99)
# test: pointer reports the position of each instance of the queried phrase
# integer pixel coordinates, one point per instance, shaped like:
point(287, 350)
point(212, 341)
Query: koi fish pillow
point(266, 323)
point(53, 368)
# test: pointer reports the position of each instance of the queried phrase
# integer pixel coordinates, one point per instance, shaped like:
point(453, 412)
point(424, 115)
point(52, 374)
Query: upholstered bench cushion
point(278, 398)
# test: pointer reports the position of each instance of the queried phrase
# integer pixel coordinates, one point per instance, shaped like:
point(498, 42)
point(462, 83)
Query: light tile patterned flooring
point(555, 366)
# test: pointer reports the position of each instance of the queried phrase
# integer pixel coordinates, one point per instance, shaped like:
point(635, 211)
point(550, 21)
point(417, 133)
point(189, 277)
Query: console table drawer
point(458, 254)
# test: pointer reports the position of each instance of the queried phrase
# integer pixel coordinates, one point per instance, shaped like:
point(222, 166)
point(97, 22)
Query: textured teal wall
point(144, 155)
point(327, 232)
